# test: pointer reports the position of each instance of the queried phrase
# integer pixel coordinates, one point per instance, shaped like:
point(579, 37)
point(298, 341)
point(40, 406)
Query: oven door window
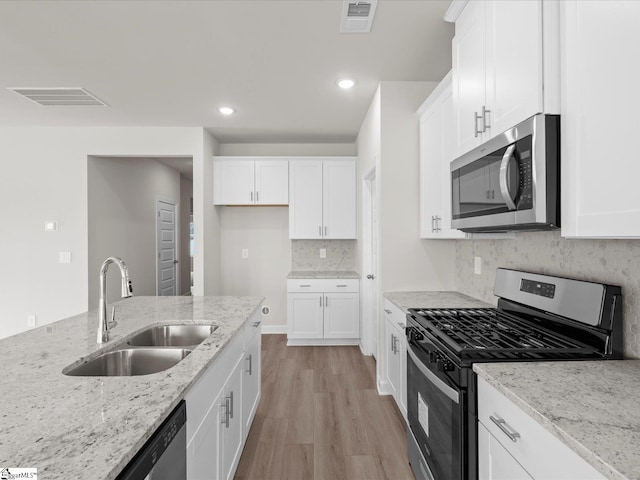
point(492, 184)
point(435, 411)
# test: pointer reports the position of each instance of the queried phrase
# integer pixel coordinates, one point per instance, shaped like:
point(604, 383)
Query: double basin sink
point(152, 350)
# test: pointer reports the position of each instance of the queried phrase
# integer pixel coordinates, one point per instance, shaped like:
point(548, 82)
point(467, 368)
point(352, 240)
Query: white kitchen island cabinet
point(323, 312)
point(505, 66)
point(322, 198)
point(600, 103)
point(221, 406)
point(250, 181)
point(512, 445)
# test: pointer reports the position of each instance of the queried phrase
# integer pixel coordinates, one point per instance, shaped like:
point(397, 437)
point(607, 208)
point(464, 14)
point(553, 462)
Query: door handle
point(502, 425)
point(504, 172)
point(371, 276)
point(175, 262)
point(485, 124)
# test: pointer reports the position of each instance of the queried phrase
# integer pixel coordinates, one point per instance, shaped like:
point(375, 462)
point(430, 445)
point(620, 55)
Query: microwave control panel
point(525, 199)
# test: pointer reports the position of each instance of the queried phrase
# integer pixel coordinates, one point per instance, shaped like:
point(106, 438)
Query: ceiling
point(174, 63)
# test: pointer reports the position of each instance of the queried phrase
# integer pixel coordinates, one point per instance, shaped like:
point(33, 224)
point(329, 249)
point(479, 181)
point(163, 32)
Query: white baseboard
point(383, 387)
point(306, 342)
point(273, 329)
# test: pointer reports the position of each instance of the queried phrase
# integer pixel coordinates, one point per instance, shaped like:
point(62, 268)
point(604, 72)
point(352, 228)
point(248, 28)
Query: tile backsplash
point(615, 262)
point(305, 255)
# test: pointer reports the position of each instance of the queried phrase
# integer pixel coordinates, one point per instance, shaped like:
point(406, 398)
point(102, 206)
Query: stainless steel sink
point(172, 336)
point(130, 361)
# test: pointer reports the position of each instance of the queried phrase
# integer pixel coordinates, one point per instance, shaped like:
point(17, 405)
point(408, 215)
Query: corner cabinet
point(512, 445)
point(505, 66)
point(322, 198)
point(250, 181)
point(395, 355)
point(323, 312)
point(436, 153)
point(599, 118)
point(221, 406)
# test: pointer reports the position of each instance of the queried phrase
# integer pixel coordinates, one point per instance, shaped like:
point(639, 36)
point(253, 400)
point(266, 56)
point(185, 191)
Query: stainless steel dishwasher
point(164, 456)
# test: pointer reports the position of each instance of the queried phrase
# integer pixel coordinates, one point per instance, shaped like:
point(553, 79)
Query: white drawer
point(541, 453)
point(323, 285)
point(395, 316)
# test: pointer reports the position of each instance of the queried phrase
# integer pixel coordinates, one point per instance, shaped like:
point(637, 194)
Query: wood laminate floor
point(320, 417)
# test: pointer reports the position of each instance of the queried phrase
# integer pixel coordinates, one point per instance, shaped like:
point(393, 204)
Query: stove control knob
point(444, 365)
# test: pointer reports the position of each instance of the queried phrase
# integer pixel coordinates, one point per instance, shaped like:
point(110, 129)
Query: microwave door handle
point(504, 170)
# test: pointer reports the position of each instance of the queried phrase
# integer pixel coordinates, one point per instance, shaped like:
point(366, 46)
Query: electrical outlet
point(64, 257)
point(323, 253)
point(245, 253)
point(31, 321)
point(50, 226)
point(477, 265)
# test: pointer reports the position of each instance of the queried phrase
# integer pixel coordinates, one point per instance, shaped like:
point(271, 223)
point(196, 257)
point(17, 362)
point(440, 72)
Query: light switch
point(31, 321)
point(64, 257)
point(245, 253)
point(323, 253)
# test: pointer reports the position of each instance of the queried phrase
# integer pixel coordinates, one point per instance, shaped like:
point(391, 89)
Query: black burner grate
point(486, 333)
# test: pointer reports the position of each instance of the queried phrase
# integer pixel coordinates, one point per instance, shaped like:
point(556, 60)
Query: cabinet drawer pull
point(402, 325)
point(341, 285)
point(305, 285)
point(257, 324)
point(388, 312)
point(502, 425)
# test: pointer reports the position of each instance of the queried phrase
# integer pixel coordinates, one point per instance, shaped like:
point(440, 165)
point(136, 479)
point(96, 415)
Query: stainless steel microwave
point(511, 182)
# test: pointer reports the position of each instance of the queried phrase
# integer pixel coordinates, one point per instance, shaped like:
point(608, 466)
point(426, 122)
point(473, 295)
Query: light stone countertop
point(91, 427)
point(323, 274)
point(592, 406)
point(446, 299)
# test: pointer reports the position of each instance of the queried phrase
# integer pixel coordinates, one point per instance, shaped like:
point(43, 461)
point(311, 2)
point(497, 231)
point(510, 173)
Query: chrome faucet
point(127, 291)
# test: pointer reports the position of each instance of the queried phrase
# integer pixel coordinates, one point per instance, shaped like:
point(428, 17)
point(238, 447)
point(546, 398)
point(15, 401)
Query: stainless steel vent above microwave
point(511, 182)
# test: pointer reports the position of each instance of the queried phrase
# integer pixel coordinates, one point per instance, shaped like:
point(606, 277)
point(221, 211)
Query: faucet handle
point(112, 322)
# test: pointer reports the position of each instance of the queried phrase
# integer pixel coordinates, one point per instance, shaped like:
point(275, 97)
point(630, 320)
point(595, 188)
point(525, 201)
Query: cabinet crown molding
point(454, 10)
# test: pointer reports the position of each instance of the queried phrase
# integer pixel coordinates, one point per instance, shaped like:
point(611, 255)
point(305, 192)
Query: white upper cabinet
point(323, 198)
point(505, 66)
point(600, 101)
point(250, 181)
point(436, 153)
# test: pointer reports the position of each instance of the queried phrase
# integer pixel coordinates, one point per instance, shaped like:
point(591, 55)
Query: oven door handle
point(504, 171)
point(451, 393)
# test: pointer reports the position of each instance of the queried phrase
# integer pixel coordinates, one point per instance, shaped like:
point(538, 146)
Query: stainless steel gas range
point(538, 317)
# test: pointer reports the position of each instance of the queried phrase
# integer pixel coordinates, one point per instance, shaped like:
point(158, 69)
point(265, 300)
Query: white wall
point(122, 194)
point(44, 177)
point(264, 231)
point(186, 197)
point(406, 262)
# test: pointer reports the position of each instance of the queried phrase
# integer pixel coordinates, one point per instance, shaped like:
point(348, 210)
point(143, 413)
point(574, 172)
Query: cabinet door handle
point(392, 342)
point(388, 312)
point(257, 197)
point(326, 301)
point(225, 405)
point(325, 231)
point(485, 123)
point(402, 325)
point(231, 401)
point(320, 230)
point(252, 196)
point(320, 300)
point(250, 359)
point(475, 128)
point(257, 324)
point(502, 425)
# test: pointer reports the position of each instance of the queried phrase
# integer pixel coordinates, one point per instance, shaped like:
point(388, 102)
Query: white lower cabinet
point(395, 354)
point(323, 312)
point(512, 445)
point(221, 407)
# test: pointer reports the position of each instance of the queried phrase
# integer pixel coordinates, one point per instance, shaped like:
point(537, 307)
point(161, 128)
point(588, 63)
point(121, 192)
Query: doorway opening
point(370, 302)
point(123, 200)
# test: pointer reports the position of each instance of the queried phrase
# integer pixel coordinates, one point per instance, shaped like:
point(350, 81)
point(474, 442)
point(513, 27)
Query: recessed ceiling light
point(346, 83)
point(226, 110)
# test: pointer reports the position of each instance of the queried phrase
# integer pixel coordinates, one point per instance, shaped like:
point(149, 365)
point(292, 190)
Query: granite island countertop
point(91, 427)
point(592, 406)
point(310, 274)
point(438, 299)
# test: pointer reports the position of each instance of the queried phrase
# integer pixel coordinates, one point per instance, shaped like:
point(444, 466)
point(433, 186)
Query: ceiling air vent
point(357, 16)
point(59, 97)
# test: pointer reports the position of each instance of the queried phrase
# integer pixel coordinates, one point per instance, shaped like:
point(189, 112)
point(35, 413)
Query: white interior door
point(166, 248)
